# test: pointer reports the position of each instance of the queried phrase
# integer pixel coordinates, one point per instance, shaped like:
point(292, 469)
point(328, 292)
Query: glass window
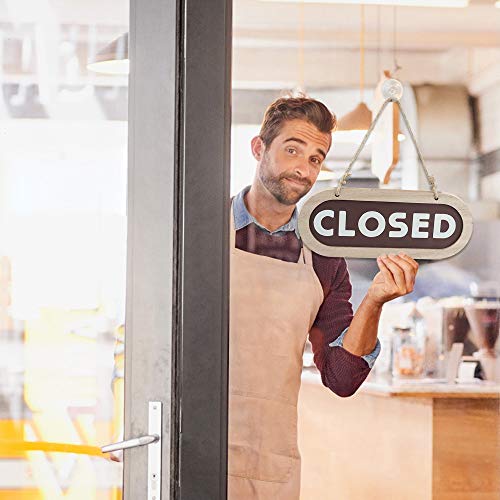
point(63, 171)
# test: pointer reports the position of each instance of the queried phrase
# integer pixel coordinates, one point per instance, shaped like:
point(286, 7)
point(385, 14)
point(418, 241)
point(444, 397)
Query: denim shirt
point(243, 218)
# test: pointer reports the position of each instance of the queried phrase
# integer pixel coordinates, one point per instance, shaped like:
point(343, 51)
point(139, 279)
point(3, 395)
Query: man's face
point(290, 165)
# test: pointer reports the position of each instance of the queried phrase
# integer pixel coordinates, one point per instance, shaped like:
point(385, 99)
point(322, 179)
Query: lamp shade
point(113, 58)
point(360, 118)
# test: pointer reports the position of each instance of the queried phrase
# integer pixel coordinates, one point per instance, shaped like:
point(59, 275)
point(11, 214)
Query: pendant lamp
point(360, 118)
point(301, 86)
point(113, 58)
point(354, 124)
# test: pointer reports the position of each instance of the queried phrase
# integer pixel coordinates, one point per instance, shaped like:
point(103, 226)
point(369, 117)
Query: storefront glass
point(63, 171)
point(443, 399)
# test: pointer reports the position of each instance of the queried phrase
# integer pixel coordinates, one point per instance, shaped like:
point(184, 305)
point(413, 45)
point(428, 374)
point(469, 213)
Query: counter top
point(427, 441)
point(428, 388)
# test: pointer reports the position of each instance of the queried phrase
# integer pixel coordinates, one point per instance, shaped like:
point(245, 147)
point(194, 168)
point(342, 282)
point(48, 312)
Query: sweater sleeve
point(341, 371)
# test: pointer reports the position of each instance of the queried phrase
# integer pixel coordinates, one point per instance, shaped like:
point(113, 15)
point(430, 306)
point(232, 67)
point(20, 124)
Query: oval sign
point(364, 223)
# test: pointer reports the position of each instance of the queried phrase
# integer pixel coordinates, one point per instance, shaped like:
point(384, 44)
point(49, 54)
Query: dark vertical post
point(203, 249)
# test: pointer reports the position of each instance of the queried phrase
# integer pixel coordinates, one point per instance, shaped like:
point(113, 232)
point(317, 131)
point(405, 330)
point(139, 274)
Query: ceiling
point(433, 45)
point(276, 45)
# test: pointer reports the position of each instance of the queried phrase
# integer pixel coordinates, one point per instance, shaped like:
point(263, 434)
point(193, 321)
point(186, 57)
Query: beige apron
point(273, 305)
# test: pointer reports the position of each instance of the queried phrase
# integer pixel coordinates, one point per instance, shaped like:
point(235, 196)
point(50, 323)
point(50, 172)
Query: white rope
point(430, 179)
point(347, 173)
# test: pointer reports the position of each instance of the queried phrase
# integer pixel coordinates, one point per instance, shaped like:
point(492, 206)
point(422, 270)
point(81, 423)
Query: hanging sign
point(366, 223)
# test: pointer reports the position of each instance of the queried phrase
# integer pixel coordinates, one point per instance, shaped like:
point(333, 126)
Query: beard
point(279, 186)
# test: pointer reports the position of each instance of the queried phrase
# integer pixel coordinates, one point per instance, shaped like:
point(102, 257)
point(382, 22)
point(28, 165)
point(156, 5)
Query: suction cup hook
point(392, 89)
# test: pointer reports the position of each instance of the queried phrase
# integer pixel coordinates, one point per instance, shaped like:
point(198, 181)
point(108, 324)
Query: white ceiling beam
point(257, 68)
point(408, 40)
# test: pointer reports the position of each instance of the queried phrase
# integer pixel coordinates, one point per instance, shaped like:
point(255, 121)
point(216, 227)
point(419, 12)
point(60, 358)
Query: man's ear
point(258, 148)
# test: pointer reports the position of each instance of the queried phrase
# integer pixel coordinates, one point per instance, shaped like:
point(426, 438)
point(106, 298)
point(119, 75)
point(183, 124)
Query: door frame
point(204, 206)
point(177, 316)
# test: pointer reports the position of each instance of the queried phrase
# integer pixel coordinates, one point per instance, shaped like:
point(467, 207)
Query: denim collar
point(242, 216)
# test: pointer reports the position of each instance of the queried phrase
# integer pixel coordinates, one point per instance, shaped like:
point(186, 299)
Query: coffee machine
point(474, 322)
point(484, 320)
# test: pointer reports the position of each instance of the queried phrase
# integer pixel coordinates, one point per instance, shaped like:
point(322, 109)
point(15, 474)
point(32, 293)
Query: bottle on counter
point(408, 352)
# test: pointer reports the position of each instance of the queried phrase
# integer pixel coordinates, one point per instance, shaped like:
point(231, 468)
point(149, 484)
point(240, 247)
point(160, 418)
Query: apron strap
point(307, 255)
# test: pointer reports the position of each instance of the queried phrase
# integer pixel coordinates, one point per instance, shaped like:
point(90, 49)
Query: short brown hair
point(292, 108)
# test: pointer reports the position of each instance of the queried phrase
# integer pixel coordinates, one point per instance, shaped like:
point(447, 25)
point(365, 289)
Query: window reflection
point(63, 168)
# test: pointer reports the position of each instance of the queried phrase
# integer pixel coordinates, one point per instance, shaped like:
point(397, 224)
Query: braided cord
point(347, 173)
point(430, 179)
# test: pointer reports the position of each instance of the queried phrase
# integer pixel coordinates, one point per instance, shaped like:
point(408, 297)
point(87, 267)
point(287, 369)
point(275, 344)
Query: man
point(280, 293)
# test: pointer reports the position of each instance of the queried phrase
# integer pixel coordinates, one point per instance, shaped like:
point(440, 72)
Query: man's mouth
point(296, 182)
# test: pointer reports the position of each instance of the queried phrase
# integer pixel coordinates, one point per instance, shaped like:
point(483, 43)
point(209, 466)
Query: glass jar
point(408, 353)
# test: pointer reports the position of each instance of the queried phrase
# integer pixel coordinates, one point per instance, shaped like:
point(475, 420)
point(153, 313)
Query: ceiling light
point(360, 118)
point(398, 3)
point(113, 58)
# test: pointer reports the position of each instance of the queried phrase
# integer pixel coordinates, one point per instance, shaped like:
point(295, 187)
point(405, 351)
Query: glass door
point(110, 220)
point(86, 249)
point(63, 171)
point(100, 315)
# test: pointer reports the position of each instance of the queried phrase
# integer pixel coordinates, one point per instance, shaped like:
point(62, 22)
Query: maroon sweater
point(341, 371)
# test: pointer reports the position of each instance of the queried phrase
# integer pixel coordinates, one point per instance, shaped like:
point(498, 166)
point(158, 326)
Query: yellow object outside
point(21, 446)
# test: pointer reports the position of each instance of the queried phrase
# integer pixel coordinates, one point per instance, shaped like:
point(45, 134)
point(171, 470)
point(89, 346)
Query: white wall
point(489, 118)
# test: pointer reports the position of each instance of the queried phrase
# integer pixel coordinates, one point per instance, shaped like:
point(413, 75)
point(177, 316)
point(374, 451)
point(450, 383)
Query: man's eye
point(291, 150)
point(317, 161)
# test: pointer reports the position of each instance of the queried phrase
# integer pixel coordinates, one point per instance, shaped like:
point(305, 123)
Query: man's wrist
point(373, 302)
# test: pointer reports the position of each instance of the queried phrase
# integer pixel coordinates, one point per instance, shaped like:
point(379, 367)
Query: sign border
point(387, 195)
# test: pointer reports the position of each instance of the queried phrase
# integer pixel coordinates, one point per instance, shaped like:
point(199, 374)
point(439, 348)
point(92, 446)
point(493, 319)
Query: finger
point(397, 272)
point(414, 265)
point(408, 259)
point(389, 278)
point(408, 270)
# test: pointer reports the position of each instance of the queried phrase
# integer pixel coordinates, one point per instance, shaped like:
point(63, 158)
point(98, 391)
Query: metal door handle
point(131, 443)
point(154, 450)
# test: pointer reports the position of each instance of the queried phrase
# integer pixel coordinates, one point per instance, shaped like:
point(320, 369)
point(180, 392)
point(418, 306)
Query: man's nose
point(302, 168)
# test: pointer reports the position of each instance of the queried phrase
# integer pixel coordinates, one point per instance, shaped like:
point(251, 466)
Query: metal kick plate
point(154, 451)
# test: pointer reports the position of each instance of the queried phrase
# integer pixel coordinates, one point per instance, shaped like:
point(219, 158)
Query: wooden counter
point(439, 442)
